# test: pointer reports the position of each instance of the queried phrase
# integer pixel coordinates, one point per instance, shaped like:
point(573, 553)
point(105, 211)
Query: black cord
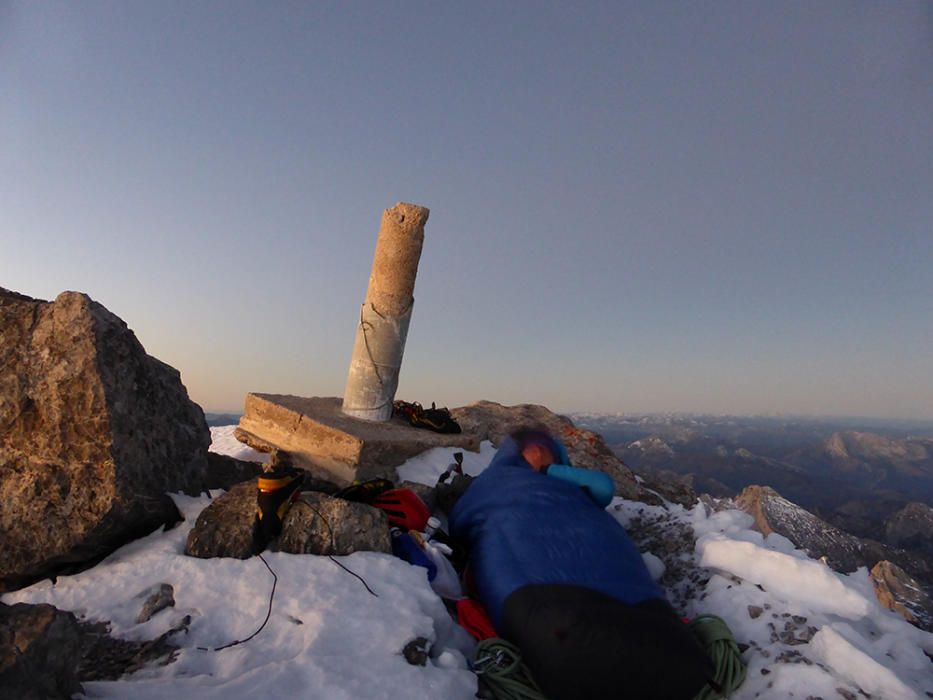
point(275, 580)
point(331, 557)
point(333, 546)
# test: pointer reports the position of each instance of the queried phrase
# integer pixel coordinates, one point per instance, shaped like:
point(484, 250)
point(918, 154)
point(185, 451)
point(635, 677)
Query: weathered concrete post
point(385, 315)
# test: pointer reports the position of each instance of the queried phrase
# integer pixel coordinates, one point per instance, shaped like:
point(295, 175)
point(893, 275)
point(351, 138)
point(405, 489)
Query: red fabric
point(404, 508)
point(473, 618)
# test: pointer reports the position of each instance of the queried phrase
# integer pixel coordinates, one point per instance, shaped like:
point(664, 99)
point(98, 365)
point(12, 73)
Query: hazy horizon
point(644, 207)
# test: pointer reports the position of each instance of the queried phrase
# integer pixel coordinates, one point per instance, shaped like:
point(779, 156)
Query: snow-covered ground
point(810, 632)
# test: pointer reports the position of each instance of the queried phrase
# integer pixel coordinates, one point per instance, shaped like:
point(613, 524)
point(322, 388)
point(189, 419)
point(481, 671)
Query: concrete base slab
point(321, 439)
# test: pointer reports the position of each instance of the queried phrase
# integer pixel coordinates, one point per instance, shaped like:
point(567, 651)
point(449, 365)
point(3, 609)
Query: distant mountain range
point(872, 478)
point(217, 419)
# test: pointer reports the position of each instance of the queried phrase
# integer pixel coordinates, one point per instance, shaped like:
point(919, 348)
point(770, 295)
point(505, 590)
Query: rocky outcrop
point(107, 658)
point(487, 420)
point(319, 524)
point(93, 433)
point(40, 649)
point(227, 527)
point(772, 513)
point(315, 524)
point(898, 591)
point(843, 552)
point(911, 528)
point(325, 442)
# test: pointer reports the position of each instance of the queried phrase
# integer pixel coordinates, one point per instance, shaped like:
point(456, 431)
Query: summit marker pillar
point(385, 314)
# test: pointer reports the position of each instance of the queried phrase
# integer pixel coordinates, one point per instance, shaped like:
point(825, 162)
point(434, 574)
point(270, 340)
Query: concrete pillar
point(385, 315)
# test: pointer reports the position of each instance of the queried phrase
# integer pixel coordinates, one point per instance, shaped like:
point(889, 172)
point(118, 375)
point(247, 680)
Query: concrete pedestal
point(322, 439)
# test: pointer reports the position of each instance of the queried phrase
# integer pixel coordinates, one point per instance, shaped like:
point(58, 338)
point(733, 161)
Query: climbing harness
point(717, 640)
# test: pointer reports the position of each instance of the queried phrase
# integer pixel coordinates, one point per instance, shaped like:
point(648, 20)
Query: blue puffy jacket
point(526, 528)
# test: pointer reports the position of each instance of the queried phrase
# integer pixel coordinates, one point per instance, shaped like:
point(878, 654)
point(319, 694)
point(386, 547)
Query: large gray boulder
point(93, 433)
point(320, 524)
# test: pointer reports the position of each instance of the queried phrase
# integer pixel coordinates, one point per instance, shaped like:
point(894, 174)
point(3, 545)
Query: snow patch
point(426, 467)
point(845, 658)
point(805, 581)
point(223, 442)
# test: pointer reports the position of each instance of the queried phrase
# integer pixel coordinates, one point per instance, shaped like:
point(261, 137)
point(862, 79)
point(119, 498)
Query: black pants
point(583, 645)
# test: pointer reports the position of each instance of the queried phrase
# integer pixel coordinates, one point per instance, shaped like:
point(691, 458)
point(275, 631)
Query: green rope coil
point(498, 664)
point(716, 638)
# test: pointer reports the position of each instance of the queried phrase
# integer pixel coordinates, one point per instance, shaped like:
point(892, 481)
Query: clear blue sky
point(722, 207)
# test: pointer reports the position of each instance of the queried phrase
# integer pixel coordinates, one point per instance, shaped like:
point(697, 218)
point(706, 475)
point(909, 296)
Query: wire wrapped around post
point(376, 363)
point(385, 315)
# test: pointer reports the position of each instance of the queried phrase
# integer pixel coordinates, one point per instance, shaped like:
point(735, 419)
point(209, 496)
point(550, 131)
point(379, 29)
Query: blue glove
point(597, 485)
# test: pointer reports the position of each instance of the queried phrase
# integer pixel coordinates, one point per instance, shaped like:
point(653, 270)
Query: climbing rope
point(716, 638)
point(501, 672)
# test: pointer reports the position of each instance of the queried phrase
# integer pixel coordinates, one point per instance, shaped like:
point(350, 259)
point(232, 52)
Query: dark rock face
point(223, 472)
point(844, 552)
point(319, 524)
point(40, 649)
point(911, 528)
point(491, 421)
point(897, 591)
point(226, 528)
point(107, 658)
point(93, 433)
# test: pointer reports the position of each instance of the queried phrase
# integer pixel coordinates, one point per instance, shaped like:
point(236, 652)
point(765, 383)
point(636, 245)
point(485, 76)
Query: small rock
point(226, 528)
point(158, 598)
point(765, 671)
point(847, 694)
point(754, 611)
point(416, 651)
